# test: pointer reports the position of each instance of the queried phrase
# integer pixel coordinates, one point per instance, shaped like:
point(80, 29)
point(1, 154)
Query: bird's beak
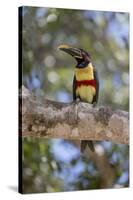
point(75, 52)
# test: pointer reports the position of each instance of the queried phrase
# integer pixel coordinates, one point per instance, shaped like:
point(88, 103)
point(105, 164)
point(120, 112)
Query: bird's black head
point(81, 56)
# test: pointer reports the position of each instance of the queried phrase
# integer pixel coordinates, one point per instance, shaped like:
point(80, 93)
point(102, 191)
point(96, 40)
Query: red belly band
point(86, 83)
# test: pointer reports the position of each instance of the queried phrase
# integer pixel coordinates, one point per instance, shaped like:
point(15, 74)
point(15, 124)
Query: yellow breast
point(86, 93)
point(84, 73)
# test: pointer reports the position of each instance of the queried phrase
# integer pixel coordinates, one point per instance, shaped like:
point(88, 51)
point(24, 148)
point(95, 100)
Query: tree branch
point(78, 121)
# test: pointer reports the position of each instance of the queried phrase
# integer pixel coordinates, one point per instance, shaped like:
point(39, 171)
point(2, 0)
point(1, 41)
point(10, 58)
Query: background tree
point(57, 165)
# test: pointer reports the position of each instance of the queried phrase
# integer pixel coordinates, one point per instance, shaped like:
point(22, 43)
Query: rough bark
point(78, 121)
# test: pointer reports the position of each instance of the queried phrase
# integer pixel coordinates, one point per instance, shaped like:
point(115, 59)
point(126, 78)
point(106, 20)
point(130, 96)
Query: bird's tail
point(84, 144)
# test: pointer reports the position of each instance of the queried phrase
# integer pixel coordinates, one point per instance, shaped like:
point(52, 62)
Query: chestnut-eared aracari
point(85, 82)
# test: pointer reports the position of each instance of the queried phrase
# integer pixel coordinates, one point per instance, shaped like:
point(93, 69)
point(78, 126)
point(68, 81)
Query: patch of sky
point(90, 167)
point(109, 15)
point(64, 151)
point(118, 31)
point(41, 12)
point(89, 14)
point(107, 145)
point(77, 169)
point(126, 164)
point(33, 81)
point(71, 174)
point(118, 26)
point(114, 158)
point(123, 178)
point(117, 80)
point(63, 96)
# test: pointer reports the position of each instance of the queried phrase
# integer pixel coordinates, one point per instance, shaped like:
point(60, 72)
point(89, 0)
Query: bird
point(85, 81)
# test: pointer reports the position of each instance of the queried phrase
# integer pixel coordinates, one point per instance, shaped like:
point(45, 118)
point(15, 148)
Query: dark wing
point(95, 99)
point(74, 88)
